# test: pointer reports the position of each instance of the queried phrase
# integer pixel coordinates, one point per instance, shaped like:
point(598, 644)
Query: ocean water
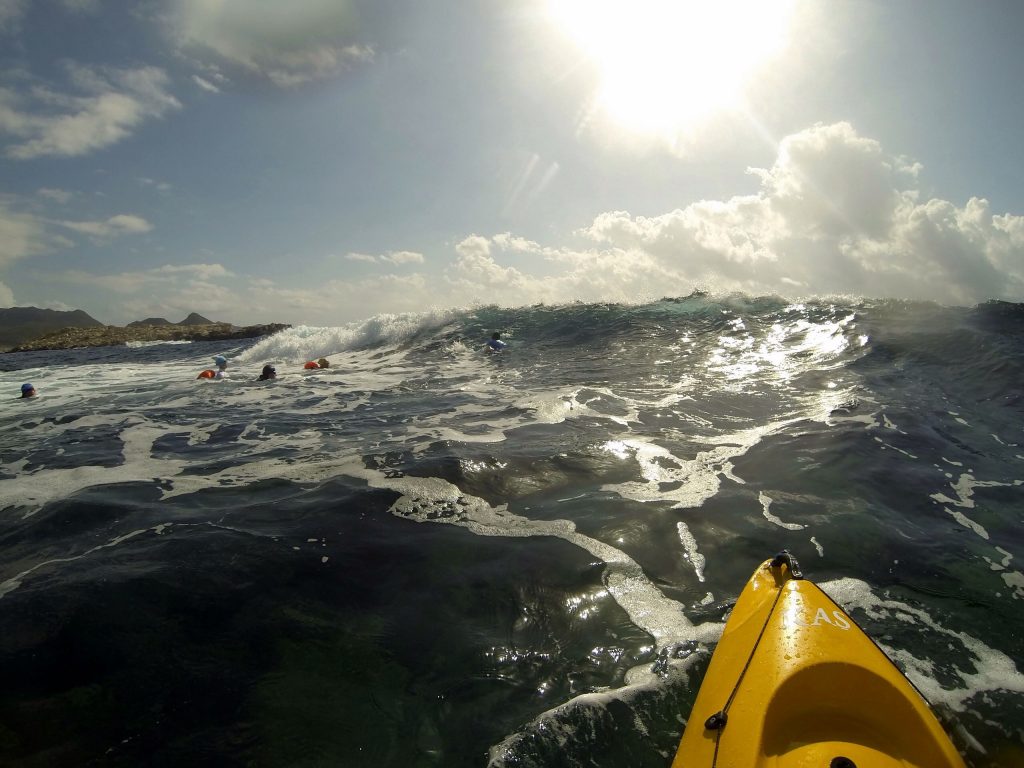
point(427, 555)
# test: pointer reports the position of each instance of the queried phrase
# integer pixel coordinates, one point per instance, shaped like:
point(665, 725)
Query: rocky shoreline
point(114, 335)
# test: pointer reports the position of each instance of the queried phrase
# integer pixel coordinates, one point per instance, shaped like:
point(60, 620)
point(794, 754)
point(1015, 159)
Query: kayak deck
point(795, 683)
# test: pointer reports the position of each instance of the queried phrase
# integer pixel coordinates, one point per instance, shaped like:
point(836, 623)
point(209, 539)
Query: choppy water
point(431, 556)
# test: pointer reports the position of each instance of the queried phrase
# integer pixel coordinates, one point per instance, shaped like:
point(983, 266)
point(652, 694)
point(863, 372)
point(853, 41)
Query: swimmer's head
point(323, 362)
point(269, 372)
point(495, 336)
point(27, 390)
point(221, 361)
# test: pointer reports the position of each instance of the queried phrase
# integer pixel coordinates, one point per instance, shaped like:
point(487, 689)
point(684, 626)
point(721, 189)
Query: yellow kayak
point(795, 683)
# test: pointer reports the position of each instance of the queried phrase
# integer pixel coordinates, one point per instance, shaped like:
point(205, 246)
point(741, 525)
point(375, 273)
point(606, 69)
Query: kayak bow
point(795, 683)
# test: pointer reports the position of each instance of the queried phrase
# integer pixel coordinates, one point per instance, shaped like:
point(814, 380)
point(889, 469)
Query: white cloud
point(109, 106)
point(402, 257)
point(11, 12)
point(297, 67)
point(835, 214)
point(170, 291)
point(206, 85)
point(614, 274)
point(391, 257)
point(334, 302)
point(286, 43)
point(82, 6)
point(6, 296)
point(476, 265)
point(115, 226)
point(22, 235)
point(213, 291)
point(198, 271)
point(360, 257)
point(57, 195)
point(161, 186)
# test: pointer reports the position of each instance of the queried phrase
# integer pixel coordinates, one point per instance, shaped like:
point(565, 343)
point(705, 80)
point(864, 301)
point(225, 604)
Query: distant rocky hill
point(194, 319)
point(112, 335)
point(21, 324)
point(24, 329)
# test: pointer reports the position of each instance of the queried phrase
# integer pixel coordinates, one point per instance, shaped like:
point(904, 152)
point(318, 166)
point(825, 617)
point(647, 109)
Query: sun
point(667, 65)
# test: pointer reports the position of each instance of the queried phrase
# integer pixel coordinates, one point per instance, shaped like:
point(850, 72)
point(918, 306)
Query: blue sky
point(322, 161)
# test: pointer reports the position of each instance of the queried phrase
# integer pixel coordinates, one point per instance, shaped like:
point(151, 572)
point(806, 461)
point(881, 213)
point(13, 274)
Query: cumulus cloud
point(391, 257)
point(402, 257)
point(360, 257)
point(82, 6)
point(23, 235)
point(115, 226)
point(170, 290)
point(197, 271)
point(161, 186)
point(478, 274)
point(475, 265)
point(835, 214)
point(205, 84)
point(335, 302)
point(287, 43)
point(57, 195)
point(107, 106)
point(11, 12)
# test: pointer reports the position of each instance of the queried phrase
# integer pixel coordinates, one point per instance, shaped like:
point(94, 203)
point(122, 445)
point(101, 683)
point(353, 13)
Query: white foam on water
point(432, 499)
point(966, 522)
point(890, 447)
point(993, 670)
point(32, 490)
point(890, 425)
point(1014, 580)
point(964, 488)
point(695, 558)
point(688, 482)
point(784, 352)
point(303, 342)
point(570, 722)
point(551, 407)
point(766, 503)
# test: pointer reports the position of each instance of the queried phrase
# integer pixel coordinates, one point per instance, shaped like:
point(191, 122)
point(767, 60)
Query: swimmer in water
point(221, 373)
point(495, 344)
point(27, 390)
point(269, 372)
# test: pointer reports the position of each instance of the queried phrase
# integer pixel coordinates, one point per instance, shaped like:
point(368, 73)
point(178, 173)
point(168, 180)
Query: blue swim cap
point(26, 387)
point(220, 360)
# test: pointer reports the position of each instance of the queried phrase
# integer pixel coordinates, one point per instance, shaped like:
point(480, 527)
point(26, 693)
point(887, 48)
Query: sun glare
point(666, 65)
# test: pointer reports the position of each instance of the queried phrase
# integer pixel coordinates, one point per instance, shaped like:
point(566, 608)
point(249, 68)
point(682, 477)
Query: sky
point(319, 162)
